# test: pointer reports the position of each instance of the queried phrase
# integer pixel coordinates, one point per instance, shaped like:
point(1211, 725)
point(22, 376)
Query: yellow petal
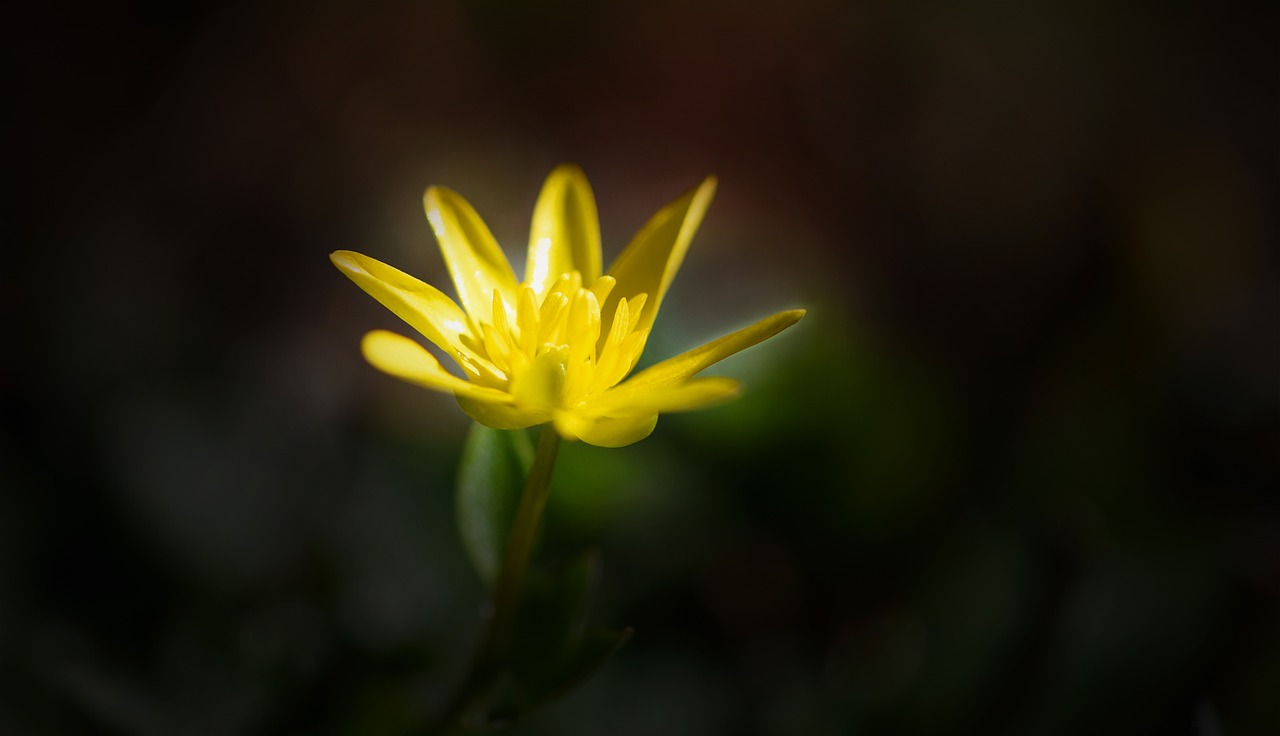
point(500, 416)
point(680, 368)
point(475, 261)
point(650, 261)
point(403, 358)
point(662, 399)
point(605, 431)
point(619, 418)
point(424, 307)
point(566, 231)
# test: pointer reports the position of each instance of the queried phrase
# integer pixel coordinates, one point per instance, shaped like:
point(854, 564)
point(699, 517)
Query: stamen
point(567, 322)
point(622, 320)
point(552, 318)
point(637, 306)
point(485, 373)
point(584, 330)
point(500, 317)
point(632, 347)
point(527, 320)
point(608, 359)
point(603, 287)
point(469, 342)
point(496, 345)
point(567, 284)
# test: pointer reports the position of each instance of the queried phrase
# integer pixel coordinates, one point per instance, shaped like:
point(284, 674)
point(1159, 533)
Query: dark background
point(1016, 472)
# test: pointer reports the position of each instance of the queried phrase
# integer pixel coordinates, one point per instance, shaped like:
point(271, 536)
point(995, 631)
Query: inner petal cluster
point(560, 344)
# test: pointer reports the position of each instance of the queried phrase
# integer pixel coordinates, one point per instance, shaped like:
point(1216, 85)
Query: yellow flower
point(555, 347)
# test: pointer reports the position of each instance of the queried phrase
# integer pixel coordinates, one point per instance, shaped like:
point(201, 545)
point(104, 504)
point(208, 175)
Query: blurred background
point(1015, 473)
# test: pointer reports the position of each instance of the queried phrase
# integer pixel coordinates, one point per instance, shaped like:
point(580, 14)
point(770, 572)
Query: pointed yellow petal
point(475, 261)
point(403, 358)
point(607, 365)
point(424, 307)
point(527, 320)
point(566, 231)
point(602, 286)
point(661, 399)
point(680, 368)
point(650, 261)
point(605, 431)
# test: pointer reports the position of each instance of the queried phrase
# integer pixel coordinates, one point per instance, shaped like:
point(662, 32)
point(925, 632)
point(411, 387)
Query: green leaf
point(491, 477)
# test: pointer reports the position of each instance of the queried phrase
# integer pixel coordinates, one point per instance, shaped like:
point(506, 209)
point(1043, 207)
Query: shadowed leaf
point(490, 479)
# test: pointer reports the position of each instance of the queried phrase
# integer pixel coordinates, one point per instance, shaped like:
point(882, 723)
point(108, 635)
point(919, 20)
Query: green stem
point(506, 595)
point(524, 532)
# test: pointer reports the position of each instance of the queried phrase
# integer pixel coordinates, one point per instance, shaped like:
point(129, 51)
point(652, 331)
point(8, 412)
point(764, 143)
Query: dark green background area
point(1015, 473)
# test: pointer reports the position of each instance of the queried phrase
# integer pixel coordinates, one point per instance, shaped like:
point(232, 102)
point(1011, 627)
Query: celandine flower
point(555, 347)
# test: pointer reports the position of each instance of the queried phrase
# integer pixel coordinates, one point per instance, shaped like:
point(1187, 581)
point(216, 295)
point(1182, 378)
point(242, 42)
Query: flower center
point(562, 339)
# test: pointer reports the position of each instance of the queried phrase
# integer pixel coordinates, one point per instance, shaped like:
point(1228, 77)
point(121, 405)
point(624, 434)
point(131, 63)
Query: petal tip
point(785, 320)
point(350, 263)
point(720, 389)
point(705, 192)
point(437, 198)
point(568, 171)
point(373, 338)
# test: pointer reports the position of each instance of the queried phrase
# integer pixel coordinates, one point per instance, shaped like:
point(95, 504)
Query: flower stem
point(524, 532)
point(506, 595)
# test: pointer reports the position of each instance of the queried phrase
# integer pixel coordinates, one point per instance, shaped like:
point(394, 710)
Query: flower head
point(557, 346)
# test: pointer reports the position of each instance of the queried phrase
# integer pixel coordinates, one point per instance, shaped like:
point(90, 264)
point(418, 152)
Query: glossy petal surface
point(476, 263)
point(403, 358)
point(428, 311)
point(680, 368)
point(662, 398)
point(566, 231)
point(651, 260)
point(606, 431)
